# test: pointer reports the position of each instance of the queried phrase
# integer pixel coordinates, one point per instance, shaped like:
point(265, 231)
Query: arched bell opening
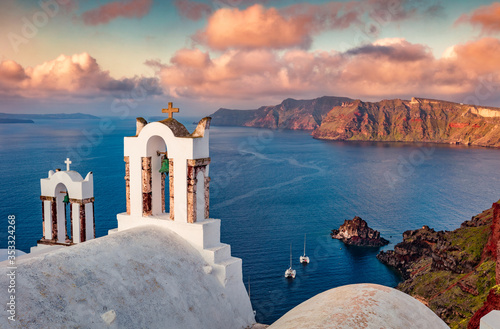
point(157, 178)
point(61, 223)
point(69, 221)
point(200, 195)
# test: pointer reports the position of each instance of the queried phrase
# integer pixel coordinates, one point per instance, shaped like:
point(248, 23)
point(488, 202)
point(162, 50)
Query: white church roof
point(368, 306)
point(148, 277)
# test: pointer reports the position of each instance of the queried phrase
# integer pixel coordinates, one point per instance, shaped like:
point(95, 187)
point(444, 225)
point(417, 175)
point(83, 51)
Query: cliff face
point(451, 272)
point(493, 300)
point(418, 120)
point(290, 114)
point(356, 232)
point(492, 303)
point(340, 118)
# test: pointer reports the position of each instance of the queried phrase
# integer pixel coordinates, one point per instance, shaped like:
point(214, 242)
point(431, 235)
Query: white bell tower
point(59, 189)
point(167, 148)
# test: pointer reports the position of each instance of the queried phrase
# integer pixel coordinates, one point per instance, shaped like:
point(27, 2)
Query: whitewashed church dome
point(360, 306)
point(145, 277)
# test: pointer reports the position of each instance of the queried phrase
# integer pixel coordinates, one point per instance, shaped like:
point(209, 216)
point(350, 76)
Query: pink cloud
point(67, 76)
point(113, 10)
point(486, 17)
point(481, 56)
point(398, 50)
point(258, 27)
point(193, 10)
point(387, 68)
point(254, 27)
point(11, 71)
point(68, 6)
point(295, 25)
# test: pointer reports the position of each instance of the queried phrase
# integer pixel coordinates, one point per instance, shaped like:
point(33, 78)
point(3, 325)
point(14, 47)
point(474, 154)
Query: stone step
point(229, 271)
point(217, 254)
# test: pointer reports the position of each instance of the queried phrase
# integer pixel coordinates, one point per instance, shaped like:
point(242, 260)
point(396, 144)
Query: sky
point(134, 56)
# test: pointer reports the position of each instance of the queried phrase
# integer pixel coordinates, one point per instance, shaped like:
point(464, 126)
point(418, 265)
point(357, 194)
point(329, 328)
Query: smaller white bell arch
point(80, 195)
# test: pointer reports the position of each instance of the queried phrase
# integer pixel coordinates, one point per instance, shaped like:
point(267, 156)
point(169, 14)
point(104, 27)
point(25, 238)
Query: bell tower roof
point(178, 129)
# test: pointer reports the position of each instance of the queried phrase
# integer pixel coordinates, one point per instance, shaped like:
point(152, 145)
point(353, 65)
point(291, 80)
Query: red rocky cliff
point(357, 232)
point(290, 114)
point(418, 120)
point(493, 247)
point(340, 118)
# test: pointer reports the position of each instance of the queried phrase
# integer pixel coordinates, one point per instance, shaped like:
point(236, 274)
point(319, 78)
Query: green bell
point(164, 166)
point(66, 198)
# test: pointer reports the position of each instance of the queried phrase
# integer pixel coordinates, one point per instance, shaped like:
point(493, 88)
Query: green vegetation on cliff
point(450, 272)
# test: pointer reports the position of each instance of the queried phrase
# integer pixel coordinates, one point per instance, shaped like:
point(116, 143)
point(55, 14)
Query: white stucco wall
point(78, 188)
point(149, 276)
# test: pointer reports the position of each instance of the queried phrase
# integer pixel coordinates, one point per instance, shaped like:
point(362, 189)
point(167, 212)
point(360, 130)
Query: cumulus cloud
point(294, 26)
point(113, 10)
point(481, 56)
point(193, 10)
point(387, 68)
point(77, 75)
point(392, 49)
point(11, 71)
point(255, 27)
point(485, 17)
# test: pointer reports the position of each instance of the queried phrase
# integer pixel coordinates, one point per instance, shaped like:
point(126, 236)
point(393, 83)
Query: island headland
point(396, 120)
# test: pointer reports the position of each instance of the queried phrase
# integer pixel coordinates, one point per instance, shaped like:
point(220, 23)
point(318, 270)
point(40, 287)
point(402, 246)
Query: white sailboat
point(290, 272)
point(304, 259)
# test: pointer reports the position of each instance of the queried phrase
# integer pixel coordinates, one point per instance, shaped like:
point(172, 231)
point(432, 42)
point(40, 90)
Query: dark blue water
point(269, 188)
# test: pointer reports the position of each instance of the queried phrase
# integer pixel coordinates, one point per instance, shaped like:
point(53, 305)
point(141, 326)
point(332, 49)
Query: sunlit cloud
point(67, 76)
point(485, 17)
point(116, 9)
point(196, 10)
point(385, 68)
point(295, 26)
point(193, 10)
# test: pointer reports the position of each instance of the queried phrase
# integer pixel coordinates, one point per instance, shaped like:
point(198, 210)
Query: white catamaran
point(304, 259)
point(290, 272)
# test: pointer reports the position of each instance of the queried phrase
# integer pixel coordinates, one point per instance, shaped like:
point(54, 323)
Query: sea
point(271, 189)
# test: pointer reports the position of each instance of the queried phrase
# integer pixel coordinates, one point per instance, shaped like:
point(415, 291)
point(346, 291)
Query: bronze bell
point(164, 166)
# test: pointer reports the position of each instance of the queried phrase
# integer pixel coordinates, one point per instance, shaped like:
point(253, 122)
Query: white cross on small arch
point(67, 162)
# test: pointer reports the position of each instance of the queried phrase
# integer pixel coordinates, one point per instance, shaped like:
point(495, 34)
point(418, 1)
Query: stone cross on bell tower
point(170, 110)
